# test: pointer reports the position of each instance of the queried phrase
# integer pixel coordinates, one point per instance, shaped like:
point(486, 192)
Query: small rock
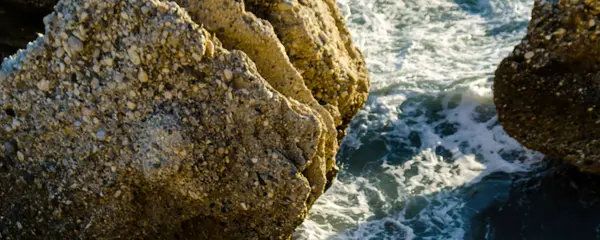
point(60, 52)
point(197, 57)
point(95, 83)
point(134, 56)
point(168, 95)
point(15, 123)
point(2, 76)
point(43, 85)
point(101, 135)
point(86, 112)
point(131, 106)
point(107, 61)
point(529, 55)
point(142, 76)
point(75, 44)
point(559, 32)
point(119, 77)
point(20, 156)
point(228, 74)
point(286, 5)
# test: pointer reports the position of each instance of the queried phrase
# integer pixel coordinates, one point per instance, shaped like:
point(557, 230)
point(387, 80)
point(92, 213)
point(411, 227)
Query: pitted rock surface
point(547, 92)
point(138, 123)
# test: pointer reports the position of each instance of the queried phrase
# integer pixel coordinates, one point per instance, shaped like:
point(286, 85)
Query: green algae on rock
point(128, 119)
point(547, 92)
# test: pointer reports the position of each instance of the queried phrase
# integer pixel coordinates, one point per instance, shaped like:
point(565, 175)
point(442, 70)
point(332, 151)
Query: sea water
point(427, 158)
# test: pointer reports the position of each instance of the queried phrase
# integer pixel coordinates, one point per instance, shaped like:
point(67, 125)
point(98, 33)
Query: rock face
point(547, 92)
point(319, 45)
point(141, 119)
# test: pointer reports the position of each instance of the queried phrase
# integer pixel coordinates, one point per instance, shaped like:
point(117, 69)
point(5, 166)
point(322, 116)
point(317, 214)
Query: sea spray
point(427, 152)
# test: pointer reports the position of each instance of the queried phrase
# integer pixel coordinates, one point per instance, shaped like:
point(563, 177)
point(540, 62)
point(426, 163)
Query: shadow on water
point(557, 202)
point(479, 7)
point(552, 201)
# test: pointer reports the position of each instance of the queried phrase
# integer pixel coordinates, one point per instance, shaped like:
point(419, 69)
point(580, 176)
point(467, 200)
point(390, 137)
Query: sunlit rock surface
point(141, 119)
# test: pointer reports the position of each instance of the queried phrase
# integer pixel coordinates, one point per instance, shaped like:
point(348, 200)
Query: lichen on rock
point(128, 118)
point(547, 91)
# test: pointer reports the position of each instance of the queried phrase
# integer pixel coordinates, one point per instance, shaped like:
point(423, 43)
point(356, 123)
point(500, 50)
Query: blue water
point(426, 158)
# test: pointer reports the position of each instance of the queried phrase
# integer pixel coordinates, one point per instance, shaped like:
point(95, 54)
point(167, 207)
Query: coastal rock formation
point(142, 119)
point(240, 30)
point(319, 45)
point(547, 92)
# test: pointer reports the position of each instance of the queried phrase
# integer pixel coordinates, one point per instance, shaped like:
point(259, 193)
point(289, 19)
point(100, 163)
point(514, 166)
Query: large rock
point(240, 30)
point(319, 45)
point(547, 92)
point(128, 119)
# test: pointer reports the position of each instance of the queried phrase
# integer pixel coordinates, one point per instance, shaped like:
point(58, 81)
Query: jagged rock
point(312, 35)
point(319, 45)
point(241, 30)
point(129, 120)
point(547, 92)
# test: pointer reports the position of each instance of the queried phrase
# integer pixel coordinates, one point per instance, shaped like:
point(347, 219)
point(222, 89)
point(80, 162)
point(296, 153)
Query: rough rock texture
point(240, 30)
point(547, 92)
point(319, 45)
point(127, 119)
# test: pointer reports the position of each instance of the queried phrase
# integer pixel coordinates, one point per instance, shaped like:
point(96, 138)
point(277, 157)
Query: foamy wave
point(429, 130)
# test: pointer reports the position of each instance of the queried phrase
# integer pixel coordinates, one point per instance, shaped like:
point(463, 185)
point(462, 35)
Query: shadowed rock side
point(547, 92)
point(129, 120)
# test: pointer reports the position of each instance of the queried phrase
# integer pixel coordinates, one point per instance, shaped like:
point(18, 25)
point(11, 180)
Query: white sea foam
point(431, 108)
